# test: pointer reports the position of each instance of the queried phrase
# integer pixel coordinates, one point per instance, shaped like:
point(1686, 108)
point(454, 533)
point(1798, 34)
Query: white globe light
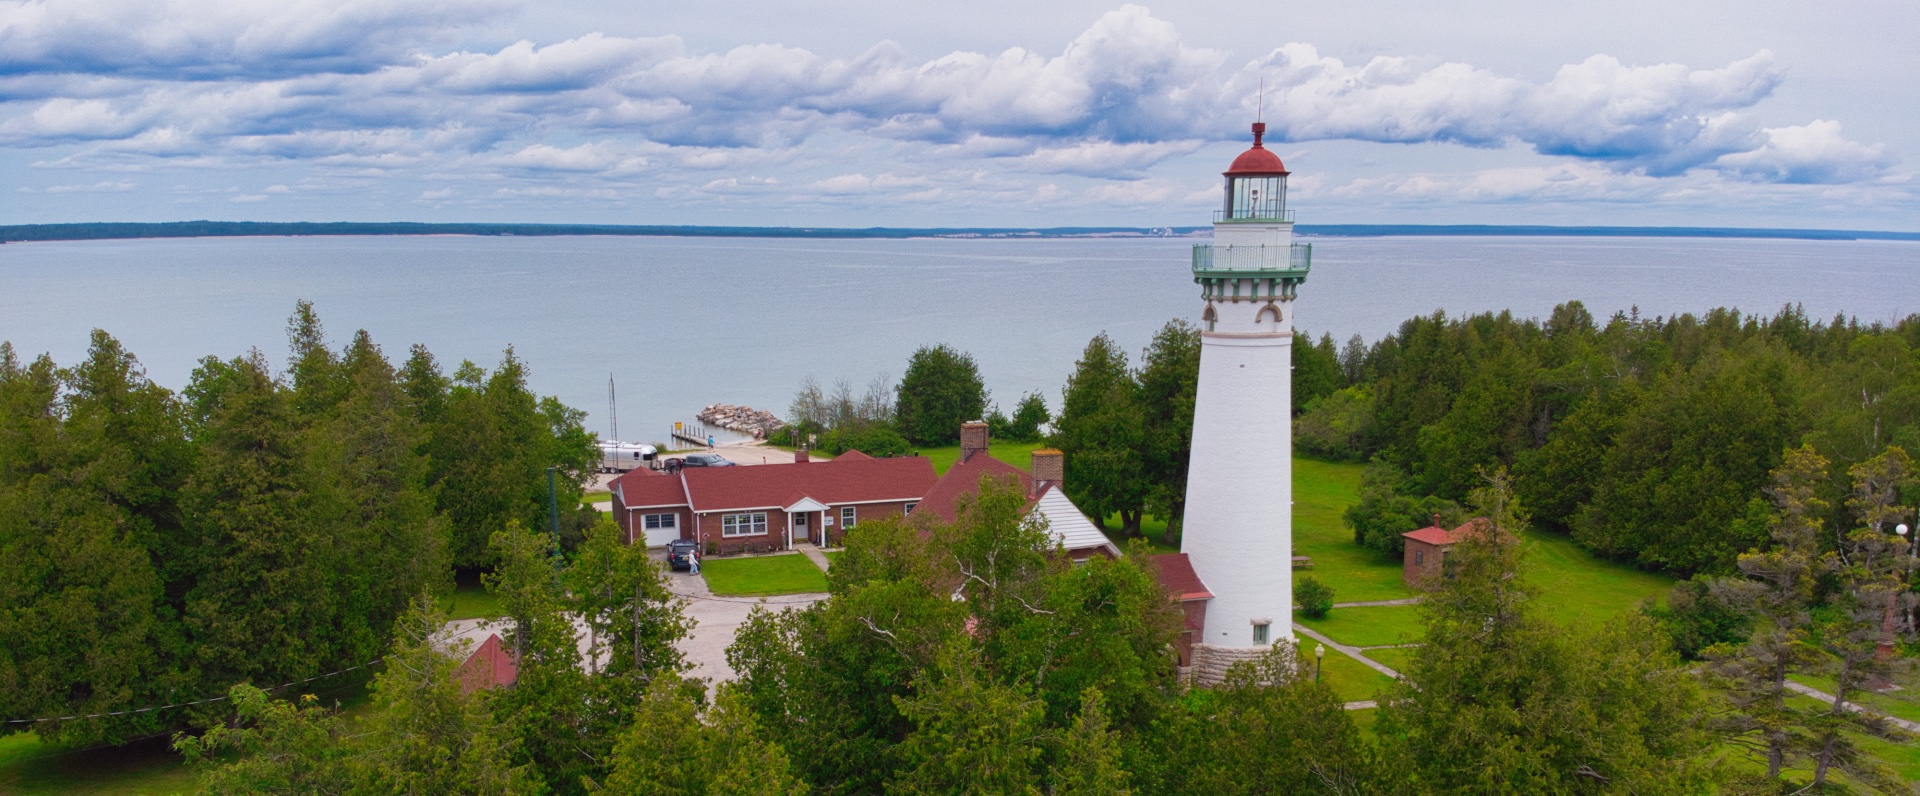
point(1900, 529)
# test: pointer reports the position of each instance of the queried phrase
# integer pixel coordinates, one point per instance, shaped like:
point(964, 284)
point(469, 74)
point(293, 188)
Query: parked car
point(705, 460)
point(681, 554)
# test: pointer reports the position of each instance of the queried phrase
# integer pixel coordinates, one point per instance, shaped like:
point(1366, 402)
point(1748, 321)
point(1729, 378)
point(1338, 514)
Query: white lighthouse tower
point(1238, 530)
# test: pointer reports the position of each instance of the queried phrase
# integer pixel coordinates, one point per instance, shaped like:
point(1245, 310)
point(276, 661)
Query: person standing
point(709, 443)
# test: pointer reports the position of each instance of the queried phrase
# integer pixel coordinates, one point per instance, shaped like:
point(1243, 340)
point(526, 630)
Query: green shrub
point(1384, 512)
point(1312, 598)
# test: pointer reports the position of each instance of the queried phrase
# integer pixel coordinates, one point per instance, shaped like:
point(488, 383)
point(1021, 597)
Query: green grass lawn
point(1394, 658)
point(469, 599)
point(1367, 627)
point(763, 576)
point(1351, 679)
point(147, 767)
point(1363, 720)
point(1321, 493)
point(1576, 587)
point(1018, 454)
point(1153, 529)
point(29, 767)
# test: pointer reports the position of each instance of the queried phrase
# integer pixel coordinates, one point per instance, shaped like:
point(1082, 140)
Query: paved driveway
point(717, 619)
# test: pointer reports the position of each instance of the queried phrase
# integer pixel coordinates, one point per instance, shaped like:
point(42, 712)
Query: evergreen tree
point(81, 603)
point(1316, 371)
point(365, 492)
point(490, 451)
point(1089, 760)
point(1028, 417)
point(940, 390)
point(1169, 378)
point(1777, 591)
point(1269, 728)
point(257, 605)
point(1102, 432)
point(546, 710)
point(672, 749)
point(970, 734)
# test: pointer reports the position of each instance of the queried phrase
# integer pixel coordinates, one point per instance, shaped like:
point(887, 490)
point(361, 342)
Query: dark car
point(681, 554)
point(705, 460)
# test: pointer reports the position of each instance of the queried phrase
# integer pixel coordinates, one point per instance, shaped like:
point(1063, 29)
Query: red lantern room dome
point(1258, 161)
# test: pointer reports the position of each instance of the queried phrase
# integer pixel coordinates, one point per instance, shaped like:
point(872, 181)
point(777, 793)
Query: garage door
point(660, 528)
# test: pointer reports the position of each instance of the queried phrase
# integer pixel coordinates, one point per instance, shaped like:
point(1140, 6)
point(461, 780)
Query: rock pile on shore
point(743, 419)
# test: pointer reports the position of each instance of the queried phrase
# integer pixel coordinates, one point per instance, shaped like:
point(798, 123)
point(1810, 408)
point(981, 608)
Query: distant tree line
point(1649, 440)
point(259, 526)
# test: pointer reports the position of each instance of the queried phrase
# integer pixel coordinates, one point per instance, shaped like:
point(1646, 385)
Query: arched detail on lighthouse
point(1270, 308)
point(1209, 317)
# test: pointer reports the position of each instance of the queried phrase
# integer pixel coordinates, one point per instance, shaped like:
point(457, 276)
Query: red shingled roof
point(490, 666)
point(851, 456)
point(964, 478)
point(1175, 573)
point(1438, 536)
point(645, 487)
point(782, 485)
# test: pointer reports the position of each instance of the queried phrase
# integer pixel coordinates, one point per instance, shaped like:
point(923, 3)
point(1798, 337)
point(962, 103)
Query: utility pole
point(613, 411)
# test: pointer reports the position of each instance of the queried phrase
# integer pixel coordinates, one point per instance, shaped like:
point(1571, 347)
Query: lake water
point(685, 322)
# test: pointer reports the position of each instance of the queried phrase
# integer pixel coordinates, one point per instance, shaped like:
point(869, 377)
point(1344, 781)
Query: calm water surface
point(684, 322)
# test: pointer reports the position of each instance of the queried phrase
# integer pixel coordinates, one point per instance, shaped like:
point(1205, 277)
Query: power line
point(187, 704)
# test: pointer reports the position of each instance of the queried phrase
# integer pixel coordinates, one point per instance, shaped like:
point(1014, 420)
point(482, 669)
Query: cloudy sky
point(983, 112)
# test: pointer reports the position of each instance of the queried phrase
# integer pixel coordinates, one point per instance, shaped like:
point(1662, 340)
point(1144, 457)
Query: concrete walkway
point(1909, 726)
point(1351, 652)
point(1379, 603)
point(813, 554)
point(1366, 704)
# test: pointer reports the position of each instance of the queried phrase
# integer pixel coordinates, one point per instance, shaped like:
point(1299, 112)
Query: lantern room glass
point(1256, 198)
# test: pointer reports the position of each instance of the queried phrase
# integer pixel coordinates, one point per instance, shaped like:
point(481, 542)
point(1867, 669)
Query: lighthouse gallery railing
point(1294, 257)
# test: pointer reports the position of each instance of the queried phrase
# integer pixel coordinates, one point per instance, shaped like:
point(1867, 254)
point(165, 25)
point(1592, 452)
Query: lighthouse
point(1238, 531)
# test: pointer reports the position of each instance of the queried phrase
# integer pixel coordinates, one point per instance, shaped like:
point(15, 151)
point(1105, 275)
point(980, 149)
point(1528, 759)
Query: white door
point(800, 527)
point(660, 528)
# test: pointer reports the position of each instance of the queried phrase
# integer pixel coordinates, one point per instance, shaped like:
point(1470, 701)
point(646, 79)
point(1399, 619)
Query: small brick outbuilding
point(1427, 549)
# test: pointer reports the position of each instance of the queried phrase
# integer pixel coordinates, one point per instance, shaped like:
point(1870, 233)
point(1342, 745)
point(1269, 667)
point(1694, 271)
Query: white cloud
point(1812, 153)
point(104, 186)
point(198, 39)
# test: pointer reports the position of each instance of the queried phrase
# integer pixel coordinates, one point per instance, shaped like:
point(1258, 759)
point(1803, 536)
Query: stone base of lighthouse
point(1211, 662)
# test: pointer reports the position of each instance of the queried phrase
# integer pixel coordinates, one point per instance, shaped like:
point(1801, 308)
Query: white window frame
point(654, 522)
point(849, 517)
point(754, 522)
point(911, 505)
point(1261, 633)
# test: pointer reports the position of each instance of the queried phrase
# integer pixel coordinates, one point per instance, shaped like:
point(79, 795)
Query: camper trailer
point(619, 457)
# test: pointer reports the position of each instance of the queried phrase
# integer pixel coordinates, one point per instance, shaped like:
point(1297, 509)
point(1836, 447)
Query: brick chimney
point(973, 438)
point(800, 456)
point(1049, 468)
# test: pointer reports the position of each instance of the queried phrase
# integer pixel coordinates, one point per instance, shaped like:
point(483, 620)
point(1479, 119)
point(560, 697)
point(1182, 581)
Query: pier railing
point(1294, 257)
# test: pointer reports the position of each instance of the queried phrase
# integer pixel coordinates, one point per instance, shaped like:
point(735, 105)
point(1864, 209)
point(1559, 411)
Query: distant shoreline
point(23, 233)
